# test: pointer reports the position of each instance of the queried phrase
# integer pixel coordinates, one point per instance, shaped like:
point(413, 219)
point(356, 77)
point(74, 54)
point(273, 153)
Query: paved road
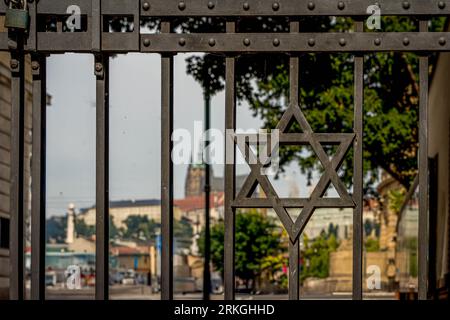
point(144, 293)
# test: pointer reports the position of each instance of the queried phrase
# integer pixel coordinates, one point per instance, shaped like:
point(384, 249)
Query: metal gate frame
point(39, 43)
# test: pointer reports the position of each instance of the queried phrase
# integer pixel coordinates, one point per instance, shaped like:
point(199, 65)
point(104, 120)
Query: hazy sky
point(134, 129)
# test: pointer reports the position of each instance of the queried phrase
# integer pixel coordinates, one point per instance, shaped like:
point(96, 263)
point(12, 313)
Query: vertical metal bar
point(358, 172)
point(294, 247)
point(16, 285)
point(206, 268)
point(166, 171)
point(294, 271)
point(423, 171)
point(102, 178)
point(230, 171)
point(38, 179)
point(96, 25)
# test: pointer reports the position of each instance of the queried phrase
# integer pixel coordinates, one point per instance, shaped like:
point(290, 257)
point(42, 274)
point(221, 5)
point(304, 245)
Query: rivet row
point(277, 42)
point(276, 5)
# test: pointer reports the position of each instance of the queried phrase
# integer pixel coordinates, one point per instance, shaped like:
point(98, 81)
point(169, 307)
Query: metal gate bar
point(423, 170)
point(102, 178)
point(16, 245)
point(38, 177)
point(358, 174)
point(166, 170)
point(230, 170)
point(294, 245)
point(96, 40)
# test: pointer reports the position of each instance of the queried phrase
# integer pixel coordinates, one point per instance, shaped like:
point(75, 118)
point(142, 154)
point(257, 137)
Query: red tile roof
point(198, 202)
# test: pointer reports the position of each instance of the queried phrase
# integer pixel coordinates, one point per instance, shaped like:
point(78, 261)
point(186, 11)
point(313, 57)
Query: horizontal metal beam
point(290, 203)
point(52, 42)
point(302, 42)
point(240, 8)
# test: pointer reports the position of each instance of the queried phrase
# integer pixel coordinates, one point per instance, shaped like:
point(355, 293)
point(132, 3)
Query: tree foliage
point(256, 239)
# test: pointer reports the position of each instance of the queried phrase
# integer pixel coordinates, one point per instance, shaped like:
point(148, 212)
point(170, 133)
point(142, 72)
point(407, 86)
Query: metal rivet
point(182, 42)
point(341, 5)
point(275, 6)
point(276, 42)
point(311, 42)
point(406, 5)
point(311, 5)
point(377, 41)
point(406, 41)
point(212, 42)
point(441, 5)
point(146, 6)
point(442, 41)
point(247, 42)
point(246, 6)
point(98, 67)
point(211, 5)
point(147, 42)
point(342, 42)
point(35, 65)
point(182, 5)
point(14, 63)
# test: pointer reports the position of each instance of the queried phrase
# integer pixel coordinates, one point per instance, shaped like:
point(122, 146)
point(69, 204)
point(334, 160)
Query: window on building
point(4, 233)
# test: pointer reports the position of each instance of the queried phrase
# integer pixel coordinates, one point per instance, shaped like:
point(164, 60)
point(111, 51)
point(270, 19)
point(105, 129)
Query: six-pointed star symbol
point(316, 199)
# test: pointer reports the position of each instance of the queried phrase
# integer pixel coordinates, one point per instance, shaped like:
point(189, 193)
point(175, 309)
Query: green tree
point(183, 233)
point(140, 228)
point(82, 229)
point(56, 229)
point(316, 254)
point(256, 239)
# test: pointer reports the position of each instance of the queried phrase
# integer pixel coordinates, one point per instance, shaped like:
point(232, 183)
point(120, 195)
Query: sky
point(135, 138)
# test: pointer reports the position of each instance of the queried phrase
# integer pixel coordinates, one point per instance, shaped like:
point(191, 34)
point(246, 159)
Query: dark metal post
point(166, 171)
point(358, 172)
point(102, 179)
point(38, 178)
point(294, 245)
point(423, 171)
point(16, 245)
point(206, 267)
point(230, 170)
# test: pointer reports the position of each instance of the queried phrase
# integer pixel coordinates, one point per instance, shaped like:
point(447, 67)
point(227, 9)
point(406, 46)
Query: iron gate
point(39, 42)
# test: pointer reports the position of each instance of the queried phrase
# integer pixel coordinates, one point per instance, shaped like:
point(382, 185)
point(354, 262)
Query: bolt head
point(211, 5)
point(34, 65)
point(246, 6)
point(14, 63)
point(246, 42)
point(311, 5)
point(311, 42)
point(275, 6)
point(146, 6)
point(147, 42)
point(182, 42)
point(406, 5)
point(342, 42)
point(377, 41)
point(406, 41)
point(276, 42)
point(341, 5)
point(182, 5)
point(212, 42)
point(442, 41)
point(441, 5)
